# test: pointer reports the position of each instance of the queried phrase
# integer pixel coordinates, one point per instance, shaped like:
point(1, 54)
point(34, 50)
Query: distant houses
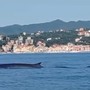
point(55, 41)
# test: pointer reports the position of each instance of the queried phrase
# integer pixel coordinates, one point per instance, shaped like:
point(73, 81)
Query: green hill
point(53, 25)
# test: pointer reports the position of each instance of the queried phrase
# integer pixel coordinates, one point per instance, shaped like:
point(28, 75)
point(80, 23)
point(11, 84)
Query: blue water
point(67, 71)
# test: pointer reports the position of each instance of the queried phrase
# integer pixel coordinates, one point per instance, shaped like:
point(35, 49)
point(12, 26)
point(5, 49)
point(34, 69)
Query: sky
point(26, 12)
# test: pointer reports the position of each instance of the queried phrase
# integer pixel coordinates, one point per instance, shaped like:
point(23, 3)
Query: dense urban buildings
point(46, 42)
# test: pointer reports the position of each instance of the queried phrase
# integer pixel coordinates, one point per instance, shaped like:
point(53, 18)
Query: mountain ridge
point(47, 26)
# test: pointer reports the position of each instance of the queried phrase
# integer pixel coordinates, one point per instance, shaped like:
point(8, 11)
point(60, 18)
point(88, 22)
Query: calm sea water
point(67, 71)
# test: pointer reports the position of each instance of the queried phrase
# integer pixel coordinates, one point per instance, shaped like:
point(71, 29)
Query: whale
point(88, 66)
point(20, 65)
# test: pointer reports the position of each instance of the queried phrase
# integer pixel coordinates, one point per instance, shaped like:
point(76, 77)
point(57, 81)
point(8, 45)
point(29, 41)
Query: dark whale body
point(20, 65)
point(88, 66)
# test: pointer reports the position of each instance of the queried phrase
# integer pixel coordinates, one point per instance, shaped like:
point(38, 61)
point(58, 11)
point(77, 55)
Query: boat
point(20, 65)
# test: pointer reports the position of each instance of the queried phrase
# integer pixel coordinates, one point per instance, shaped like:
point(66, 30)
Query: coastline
point(45, 52)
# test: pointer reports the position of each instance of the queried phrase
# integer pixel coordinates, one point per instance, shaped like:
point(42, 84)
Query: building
point(20, 39)
point(29, 41)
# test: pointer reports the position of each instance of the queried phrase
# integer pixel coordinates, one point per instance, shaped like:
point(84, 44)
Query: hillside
point(53, 25)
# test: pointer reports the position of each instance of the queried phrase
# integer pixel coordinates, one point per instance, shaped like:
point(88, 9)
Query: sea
point(61, 71)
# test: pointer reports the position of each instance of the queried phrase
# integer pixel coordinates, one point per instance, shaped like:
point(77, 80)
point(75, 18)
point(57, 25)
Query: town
point(47, 42)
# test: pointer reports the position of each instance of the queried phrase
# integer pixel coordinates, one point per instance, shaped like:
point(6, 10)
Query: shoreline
point(45, 52)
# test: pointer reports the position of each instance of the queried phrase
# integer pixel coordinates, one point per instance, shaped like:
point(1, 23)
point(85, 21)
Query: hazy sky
point(39, 11)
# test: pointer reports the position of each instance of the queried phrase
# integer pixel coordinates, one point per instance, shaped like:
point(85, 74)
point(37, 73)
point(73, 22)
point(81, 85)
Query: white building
point(28, 41)
point(20, 40)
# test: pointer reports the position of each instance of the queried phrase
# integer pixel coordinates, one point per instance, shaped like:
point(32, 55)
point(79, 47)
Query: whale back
point(20, 65)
